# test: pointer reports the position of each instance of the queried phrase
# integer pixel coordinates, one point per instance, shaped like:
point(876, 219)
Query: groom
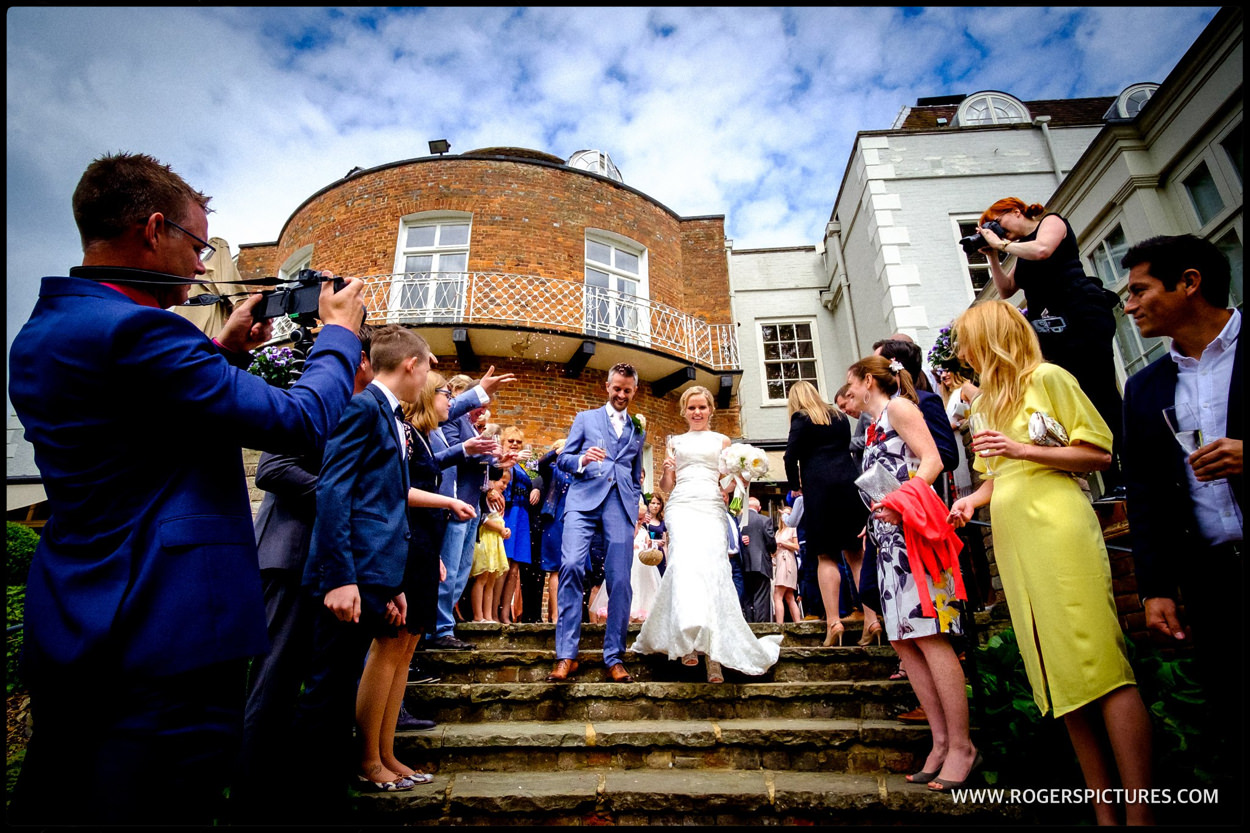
point(604, 455)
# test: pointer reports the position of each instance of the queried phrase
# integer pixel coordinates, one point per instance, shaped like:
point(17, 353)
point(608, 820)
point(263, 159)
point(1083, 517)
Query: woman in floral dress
point(900, 441)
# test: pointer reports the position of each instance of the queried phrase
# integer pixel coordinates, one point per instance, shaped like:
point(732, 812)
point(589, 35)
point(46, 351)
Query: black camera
point(298, 298)
point(974, 243)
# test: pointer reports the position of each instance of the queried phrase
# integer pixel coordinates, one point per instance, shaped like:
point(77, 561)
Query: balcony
point(546, 319)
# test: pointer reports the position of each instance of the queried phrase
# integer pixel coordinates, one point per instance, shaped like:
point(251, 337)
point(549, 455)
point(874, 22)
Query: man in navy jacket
point(145, 584)
point(1185, 509)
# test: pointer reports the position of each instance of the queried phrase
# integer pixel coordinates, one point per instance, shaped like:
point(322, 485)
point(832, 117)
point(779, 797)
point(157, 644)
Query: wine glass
point(981, 422)
point(1182, 421)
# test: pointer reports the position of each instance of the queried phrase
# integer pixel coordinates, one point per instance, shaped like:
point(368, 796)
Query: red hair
point(1006, 204)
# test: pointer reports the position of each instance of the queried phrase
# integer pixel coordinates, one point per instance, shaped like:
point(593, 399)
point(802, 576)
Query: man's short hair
point(1170, 256)
point(623, 369)
point(393, 344)
point(119, 190)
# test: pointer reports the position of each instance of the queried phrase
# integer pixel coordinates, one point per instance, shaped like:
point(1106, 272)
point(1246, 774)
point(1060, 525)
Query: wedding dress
point(697, 608)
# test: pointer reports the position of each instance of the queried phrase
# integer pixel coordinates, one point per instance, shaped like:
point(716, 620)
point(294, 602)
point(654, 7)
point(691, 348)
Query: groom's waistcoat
point(620, 472)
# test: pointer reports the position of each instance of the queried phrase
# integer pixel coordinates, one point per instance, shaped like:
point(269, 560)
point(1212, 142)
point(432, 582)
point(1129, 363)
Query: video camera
point(299, 297)
point(974, 243)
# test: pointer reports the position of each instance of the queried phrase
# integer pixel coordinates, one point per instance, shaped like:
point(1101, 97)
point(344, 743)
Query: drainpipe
point(1044, 123)
point(833, 231)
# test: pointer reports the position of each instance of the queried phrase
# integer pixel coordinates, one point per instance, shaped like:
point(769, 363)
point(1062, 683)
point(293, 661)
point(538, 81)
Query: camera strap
point(127, 274)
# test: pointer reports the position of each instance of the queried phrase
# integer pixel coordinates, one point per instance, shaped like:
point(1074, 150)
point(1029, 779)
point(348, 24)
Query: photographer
point(1070, 311)
point(145, 586)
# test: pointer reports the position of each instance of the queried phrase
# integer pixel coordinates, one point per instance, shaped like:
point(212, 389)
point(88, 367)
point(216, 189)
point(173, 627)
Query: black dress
point(818, 461)
point(427, 526)
point(1058, 286)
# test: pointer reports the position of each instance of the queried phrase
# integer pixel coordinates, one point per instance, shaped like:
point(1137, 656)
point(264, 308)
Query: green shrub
point(1024, 749)
point(20, 549)
point(14, 613)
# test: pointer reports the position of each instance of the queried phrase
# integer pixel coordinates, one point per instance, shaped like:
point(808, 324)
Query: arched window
point(991, 107)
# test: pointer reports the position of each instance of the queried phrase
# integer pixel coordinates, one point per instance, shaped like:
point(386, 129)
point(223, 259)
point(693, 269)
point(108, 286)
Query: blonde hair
point(1000, 344)
point(513, 431)
point(804, 397)
point(697, 390)
point(459, 383)
point(491, 429)
point(422, 413)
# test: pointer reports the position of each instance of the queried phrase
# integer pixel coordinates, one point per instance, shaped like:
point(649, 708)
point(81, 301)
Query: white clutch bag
point(1044, 430)
point(877, 482)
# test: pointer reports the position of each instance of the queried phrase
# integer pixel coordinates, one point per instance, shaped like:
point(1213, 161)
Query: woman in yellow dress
point(1050, 550)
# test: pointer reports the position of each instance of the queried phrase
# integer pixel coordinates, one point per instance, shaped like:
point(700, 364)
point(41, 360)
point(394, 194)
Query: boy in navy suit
point(359, 549)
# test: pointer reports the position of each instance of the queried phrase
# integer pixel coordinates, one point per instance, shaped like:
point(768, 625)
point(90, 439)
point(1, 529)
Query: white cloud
point(749, 113)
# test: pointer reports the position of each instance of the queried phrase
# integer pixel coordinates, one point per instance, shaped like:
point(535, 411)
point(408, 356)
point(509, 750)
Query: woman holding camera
point(1070, 311)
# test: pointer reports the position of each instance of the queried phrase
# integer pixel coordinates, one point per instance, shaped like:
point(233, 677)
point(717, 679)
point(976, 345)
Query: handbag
point(1045, 430)
point(650, 556)
point(876, 482)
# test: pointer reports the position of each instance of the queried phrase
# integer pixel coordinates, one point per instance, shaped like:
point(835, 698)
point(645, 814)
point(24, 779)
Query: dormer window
point(991, 108)
point(1129, 103)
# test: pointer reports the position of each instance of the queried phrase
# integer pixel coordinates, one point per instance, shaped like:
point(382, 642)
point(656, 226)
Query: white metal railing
point(548, 303)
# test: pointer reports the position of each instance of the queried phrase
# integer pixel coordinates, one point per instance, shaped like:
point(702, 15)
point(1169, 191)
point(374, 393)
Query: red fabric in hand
point(933, 546)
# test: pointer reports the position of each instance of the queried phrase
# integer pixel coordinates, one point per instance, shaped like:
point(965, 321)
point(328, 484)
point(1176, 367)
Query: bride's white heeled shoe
point(691, 659)
point(714, 672)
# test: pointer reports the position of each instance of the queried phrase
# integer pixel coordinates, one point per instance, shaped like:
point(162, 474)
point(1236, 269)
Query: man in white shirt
point(1185, 503)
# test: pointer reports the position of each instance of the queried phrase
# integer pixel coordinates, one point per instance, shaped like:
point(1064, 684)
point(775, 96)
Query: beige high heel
point(835, 634)
point(714, 672)
point(691, 659)
point(871, 633)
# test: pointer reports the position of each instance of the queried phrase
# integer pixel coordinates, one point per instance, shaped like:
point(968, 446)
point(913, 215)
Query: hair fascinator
point(895, 366)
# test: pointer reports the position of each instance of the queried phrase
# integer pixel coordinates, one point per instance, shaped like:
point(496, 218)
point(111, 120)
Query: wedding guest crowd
point(394, 509)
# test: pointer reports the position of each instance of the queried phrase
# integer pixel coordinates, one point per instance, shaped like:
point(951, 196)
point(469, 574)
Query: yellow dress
point(488, 553)
point(1052, 558)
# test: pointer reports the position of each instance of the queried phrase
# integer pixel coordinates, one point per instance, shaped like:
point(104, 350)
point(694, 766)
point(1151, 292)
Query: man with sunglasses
point(145, 585)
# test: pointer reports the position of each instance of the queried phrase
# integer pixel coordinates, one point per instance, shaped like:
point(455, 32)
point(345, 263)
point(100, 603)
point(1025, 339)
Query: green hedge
point(22, 541)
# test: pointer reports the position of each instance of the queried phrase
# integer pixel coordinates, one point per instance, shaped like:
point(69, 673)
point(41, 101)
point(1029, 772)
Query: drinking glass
point(981, 422)
point(1182, 421)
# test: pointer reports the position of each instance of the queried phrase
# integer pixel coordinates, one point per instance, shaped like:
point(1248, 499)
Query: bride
point(696, 610)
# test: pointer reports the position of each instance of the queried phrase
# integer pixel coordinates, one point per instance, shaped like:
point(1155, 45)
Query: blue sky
point(750, 113)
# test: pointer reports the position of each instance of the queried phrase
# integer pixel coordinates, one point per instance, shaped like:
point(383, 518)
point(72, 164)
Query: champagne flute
point(981, 422)
point(1182, 420)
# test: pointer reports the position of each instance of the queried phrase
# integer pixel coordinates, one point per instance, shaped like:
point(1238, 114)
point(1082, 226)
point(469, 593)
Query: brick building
point(547, 268)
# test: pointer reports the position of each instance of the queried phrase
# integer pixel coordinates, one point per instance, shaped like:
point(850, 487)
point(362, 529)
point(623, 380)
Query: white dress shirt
point(1202, 383)
point(393, 401)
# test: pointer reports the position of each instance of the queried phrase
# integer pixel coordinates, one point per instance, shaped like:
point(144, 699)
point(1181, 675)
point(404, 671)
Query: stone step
point(532, 665)
point(530, 635)
point(820, 744)
point(674, 797)
point(590, 701)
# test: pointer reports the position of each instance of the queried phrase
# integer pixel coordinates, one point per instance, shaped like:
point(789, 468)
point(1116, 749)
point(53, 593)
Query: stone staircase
point(813, 741)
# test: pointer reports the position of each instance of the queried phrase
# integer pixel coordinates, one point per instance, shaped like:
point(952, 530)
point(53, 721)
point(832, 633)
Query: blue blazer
point(934, 411)
point(147, 564)
point(450, 455)
point(470, 474)
point(621, 469)
point(361, 532)
point(1162, 527)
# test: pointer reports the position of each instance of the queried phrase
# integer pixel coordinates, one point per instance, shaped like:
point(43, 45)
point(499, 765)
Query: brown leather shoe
point(916, 715)
point(618, 674)
point(564, 669)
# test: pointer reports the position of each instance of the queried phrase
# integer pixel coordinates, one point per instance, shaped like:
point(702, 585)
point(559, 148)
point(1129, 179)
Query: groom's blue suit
point(602, 496)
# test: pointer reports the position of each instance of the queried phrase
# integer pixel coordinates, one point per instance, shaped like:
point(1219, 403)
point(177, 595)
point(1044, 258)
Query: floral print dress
point(900, 597)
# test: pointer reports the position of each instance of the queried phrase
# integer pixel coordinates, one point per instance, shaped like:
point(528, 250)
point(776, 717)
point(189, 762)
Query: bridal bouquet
point(739, 465)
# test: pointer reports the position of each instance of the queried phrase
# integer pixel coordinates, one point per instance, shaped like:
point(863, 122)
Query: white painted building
point(1160, 158)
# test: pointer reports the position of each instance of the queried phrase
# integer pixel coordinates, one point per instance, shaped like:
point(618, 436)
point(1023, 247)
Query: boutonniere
point(639, 421)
